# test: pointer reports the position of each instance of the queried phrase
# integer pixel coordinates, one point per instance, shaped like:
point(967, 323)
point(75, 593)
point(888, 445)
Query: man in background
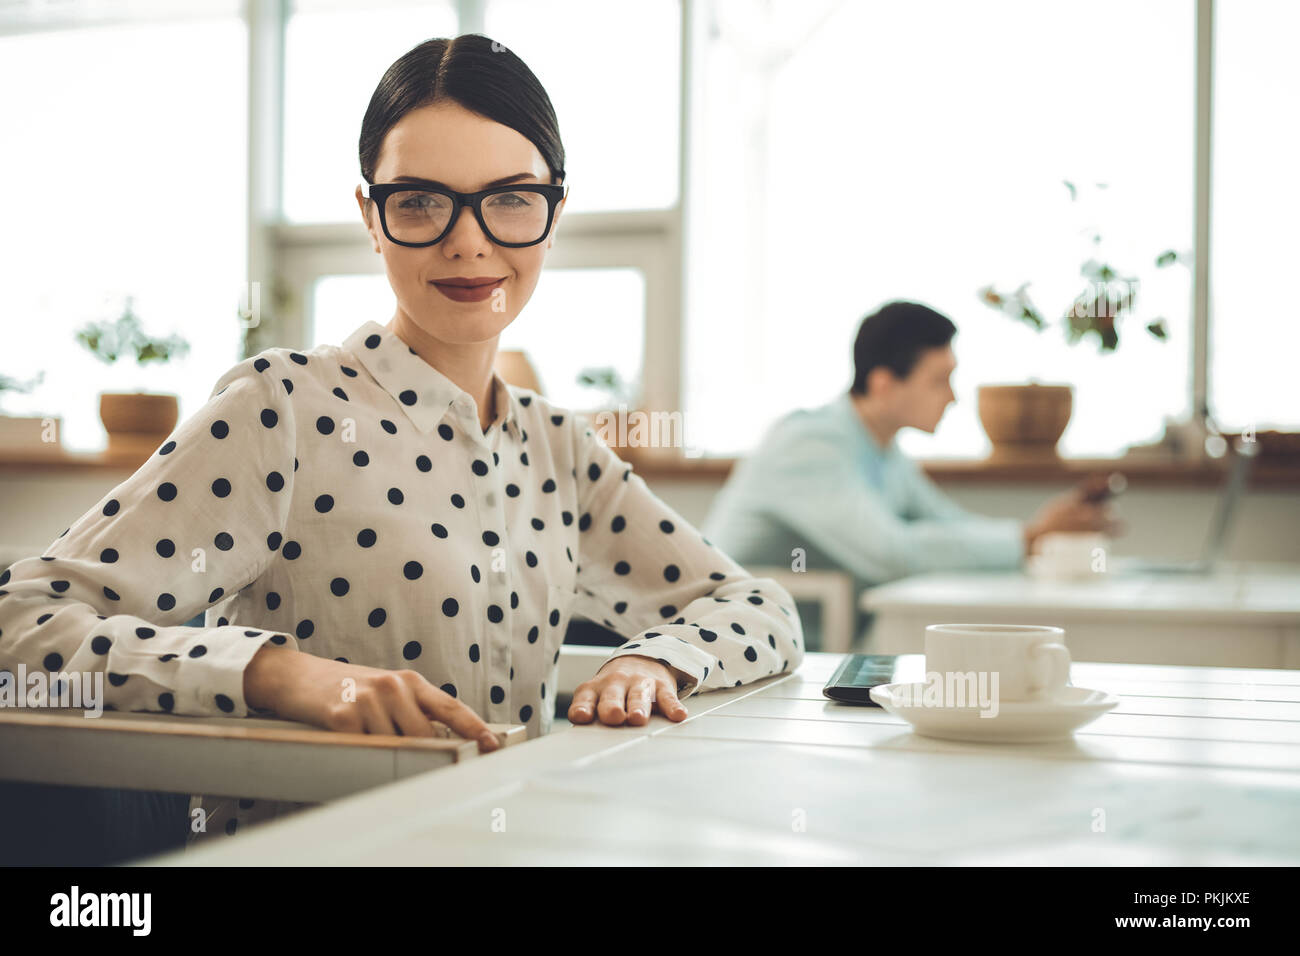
point(832, 481)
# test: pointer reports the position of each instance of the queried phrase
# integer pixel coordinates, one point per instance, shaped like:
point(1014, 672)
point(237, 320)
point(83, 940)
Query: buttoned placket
point(489, 492)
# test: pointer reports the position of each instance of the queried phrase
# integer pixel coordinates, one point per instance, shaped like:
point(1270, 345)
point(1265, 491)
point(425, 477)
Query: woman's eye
point(420, 202)
point(510, 199)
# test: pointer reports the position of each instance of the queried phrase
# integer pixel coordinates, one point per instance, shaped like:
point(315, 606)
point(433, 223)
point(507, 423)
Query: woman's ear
point(365, 205)
point(559, 208)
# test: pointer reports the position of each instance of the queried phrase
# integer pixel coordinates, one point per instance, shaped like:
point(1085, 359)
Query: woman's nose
point(466, 234)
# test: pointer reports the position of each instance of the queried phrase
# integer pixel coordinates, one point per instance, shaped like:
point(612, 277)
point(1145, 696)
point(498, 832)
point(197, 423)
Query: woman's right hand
point(316, 690)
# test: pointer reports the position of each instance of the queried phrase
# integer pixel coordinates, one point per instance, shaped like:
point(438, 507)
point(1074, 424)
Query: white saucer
point(1020, 721)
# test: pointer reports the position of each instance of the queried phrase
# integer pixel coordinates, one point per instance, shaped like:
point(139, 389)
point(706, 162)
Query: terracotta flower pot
point(137, 422)
point(1024, 422)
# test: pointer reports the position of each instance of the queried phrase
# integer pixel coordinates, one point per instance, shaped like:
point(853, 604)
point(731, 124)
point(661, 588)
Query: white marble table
point(1241, 616)
point(1197, 766)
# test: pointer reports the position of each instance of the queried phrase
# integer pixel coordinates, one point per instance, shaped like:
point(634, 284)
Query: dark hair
point(894, 336)
point(474, 71)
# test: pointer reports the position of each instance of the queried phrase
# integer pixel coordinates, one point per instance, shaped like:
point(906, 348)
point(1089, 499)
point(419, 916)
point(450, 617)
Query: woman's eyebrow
point(433, 182)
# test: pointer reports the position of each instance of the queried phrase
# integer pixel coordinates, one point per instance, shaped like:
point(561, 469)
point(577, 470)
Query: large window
point(852, 153)
point(124, 165)
point(1255, 335)
point(832, 155)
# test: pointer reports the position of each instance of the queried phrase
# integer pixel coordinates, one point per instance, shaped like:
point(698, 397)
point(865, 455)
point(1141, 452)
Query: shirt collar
point(423, 392)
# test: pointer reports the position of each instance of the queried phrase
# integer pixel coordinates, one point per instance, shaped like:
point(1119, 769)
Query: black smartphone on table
point(857, 674)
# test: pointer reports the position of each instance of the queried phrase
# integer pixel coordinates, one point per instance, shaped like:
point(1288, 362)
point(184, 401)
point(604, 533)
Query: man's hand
point(1071, 511)
point(627, 689)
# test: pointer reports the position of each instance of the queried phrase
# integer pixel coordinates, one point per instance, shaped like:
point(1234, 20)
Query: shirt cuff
point(210, 682)
point(689, 664)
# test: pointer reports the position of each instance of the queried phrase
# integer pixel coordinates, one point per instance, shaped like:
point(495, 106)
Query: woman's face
point(448, 144)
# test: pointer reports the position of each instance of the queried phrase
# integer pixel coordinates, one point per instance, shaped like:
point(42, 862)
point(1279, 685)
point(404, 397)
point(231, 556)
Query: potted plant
point(1025, 422)
point(136, 422)
point(26, 435)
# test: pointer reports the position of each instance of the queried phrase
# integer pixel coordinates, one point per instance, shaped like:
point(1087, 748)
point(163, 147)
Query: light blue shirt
point(820, 481)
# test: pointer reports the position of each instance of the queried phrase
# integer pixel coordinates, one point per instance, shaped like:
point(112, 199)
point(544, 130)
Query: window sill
point(1279, 474)
point(18, 462)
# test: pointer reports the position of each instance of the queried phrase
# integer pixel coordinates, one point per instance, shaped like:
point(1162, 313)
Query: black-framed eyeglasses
point(416, 215)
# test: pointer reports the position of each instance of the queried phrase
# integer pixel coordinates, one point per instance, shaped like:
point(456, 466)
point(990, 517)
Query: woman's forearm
point(264, 675)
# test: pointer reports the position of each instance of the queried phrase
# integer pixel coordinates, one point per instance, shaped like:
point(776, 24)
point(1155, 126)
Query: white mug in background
point(1031, 660)
point(1070, 553)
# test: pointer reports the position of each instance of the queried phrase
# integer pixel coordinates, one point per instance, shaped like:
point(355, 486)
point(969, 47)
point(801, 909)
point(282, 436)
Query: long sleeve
point(196, 522)
point(654, 576)
point(927, 503)
point(816, 492)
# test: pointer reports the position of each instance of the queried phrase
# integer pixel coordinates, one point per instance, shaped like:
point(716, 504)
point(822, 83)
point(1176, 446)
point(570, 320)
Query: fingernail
point(488, 739)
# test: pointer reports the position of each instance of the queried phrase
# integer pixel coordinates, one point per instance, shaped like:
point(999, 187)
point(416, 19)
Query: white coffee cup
point(1030, 661)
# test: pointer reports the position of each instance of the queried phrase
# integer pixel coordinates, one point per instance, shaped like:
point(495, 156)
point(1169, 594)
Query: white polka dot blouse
point(345, 501)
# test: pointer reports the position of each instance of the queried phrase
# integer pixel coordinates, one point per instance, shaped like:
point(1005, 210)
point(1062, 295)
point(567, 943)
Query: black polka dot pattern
point(346, 501)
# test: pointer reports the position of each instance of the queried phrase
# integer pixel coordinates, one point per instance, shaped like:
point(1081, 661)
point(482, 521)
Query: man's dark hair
point(894, 336)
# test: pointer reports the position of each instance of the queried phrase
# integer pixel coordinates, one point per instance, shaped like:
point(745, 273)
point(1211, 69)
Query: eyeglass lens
point(417, 215)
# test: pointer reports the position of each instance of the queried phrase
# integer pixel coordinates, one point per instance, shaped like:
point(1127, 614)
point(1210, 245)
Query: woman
point(384, 532)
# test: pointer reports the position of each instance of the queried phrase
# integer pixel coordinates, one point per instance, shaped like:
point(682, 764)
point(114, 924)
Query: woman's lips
point(475, 293)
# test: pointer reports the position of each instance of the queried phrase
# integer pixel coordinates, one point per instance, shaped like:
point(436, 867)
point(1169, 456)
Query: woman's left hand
point(627, 689)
